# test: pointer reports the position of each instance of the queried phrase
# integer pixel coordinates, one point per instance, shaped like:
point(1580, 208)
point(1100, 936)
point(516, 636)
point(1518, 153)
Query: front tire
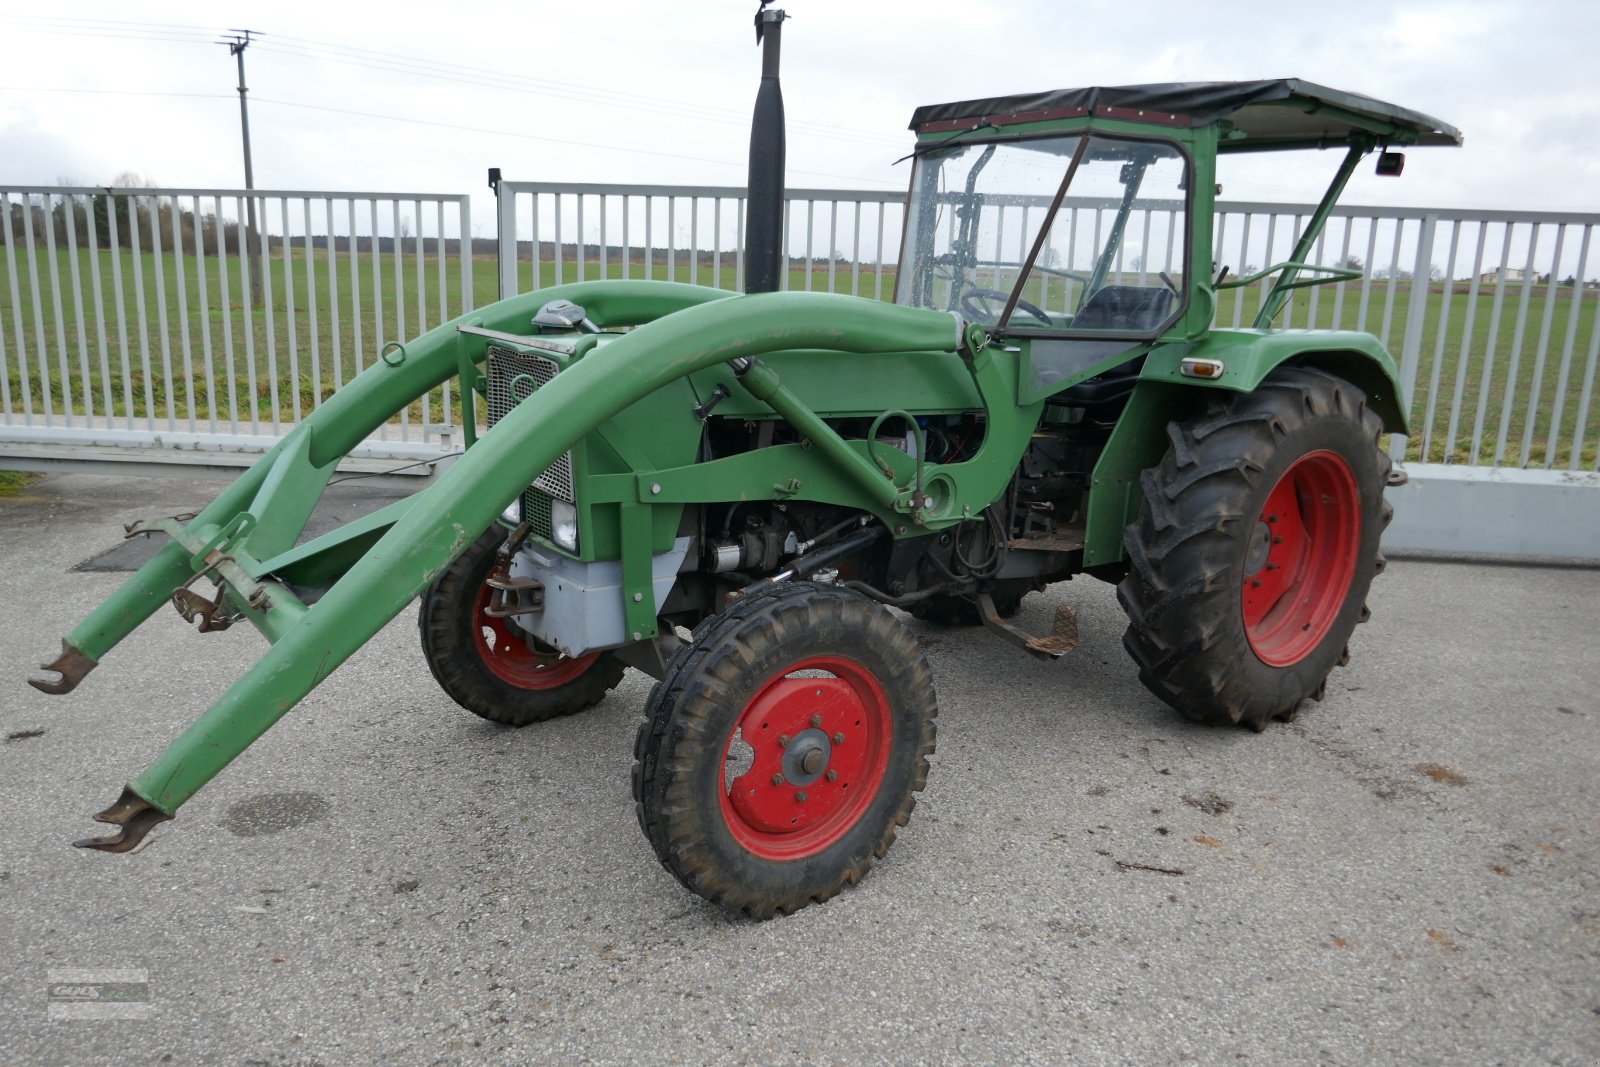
point(488, 665)
point(784, 748)
point(1255, 547)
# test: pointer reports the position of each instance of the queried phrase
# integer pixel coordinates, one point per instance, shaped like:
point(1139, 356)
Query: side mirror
point(1390, 164)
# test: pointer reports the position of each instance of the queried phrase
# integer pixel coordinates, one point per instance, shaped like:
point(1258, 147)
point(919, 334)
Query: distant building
point(1506, 274)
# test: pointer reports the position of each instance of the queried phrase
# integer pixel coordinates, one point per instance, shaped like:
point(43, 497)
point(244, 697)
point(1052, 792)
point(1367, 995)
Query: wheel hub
point(1255, 556)
point(806, 757)
point(819, 751)
point(1300, 558)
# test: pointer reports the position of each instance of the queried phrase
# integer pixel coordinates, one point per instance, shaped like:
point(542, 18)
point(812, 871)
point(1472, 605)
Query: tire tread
point(1183, 627)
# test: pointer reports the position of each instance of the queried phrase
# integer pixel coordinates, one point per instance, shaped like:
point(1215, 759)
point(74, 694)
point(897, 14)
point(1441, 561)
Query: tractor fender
point(1248, 356)
point(1165, 394)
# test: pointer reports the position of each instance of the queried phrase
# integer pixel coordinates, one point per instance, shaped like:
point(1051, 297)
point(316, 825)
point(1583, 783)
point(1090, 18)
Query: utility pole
point(236, 46)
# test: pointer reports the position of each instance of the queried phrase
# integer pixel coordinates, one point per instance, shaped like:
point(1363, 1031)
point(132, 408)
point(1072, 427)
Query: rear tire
point(1255, 547)
point(488, 665)
point(784, 748)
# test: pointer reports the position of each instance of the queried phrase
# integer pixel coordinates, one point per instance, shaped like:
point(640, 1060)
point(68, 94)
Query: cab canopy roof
point(1284, 113)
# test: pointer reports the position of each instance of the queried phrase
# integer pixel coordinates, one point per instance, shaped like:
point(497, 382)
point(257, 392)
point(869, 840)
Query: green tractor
point(730, 492)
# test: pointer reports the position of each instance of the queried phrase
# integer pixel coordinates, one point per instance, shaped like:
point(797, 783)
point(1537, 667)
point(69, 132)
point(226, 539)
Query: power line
point(110, 92)
point(72, 27)
point(552, 140)
point(642, 105)
point(524, 83)
point(101, 22)
point(158, 38)
point(305, 48)
point(440, 125)
point(595, 92)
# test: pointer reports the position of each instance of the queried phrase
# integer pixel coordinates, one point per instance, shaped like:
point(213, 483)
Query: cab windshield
point(1111, 261)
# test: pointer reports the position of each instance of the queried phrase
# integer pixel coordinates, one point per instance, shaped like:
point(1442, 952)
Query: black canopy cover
point(1285, 112)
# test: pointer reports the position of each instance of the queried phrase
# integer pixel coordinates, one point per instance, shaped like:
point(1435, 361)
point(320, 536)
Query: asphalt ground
point(1408, 873)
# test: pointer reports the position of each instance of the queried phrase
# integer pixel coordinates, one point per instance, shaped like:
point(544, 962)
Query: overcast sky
point(415, 97)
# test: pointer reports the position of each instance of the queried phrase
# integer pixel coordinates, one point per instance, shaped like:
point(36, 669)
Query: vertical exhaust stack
point(763, 226)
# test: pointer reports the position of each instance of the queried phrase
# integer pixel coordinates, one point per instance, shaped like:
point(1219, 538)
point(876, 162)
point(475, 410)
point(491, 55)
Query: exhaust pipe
point(763, 227)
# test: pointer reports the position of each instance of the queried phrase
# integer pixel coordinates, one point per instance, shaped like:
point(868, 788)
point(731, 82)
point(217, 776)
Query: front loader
point(730, 492)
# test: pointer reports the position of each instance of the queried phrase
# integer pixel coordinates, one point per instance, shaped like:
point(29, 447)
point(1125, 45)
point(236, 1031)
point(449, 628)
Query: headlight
point(564, 524)
point(512, 515)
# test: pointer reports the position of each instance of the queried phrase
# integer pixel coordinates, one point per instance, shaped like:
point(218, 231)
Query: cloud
point(1439, 33)
point(661, 93)
point(35, 156)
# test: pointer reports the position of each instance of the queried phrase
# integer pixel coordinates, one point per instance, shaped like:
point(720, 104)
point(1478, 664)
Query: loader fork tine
point(72, 665)
point(133, 815)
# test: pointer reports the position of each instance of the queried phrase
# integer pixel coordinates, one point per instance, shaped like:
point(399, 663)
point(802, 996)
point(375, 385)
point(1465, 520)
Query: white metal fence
point(1492, 314)
point(692, 234)
point(214, 319)
point(133, 318)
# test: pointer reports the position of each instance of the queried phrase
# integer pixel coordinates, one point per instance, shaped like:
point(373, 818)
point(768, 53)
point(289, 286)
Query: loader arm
point(684, 329)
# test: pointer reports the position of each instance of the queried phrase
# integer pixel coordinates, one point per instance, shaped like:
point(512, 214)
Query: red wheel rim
point(820, 750)
point(510, 659)
point(1300, 558)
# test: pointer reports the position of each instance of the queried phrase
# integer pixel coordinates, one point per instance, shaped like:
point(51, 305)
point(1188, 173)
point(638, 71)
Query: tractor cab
point(1083, 217)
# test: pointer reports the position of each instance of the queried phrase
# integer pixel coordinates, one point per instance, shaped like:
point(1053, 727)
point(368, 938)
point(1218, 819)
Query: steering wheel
point(979, 305)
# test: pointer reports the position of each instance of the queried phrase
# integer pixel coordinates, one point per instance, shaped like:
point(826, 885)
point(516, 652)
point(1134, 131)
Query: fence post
point(505, 238)
point(468, 299)
point(1416, 319)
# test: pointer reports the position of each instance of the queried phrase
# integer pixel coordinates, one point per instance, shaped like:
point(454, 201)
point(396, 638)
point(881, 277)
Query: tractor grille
point(536, 511)
point(513, 376)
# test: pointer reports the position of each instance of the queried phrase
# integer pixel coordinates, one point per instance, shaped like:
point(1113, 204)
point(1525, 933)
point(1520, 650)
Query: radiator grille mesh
point(513, 377)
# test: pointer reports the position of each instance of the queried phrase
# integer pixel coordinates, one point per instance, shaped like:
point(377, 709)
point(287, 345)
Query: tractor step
point(1062, 638)
point(1051, 538)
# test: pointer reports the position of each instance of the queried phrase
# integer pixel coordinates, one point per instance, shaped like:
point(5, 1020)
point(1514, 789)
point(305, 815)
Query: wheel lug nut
point(838, 738)
point(801, 796)
point(816, 720)
point(783, 740)
point(777, 779)
point(1277, 540)
point(833, 776)
point(1255, 584)
point(1272, 518)
point(1272, 566)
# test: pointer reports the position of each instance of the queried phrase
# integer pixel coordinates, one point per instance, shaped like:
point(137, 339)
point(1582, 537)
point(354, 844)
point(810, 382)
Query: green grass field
point(1444, 362)
point(326, 320)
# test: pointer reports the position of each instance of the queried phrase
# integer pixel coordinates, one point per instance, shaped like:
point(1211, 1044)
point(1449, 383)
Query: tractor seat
point(1113, 385)
point(1125, 307)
